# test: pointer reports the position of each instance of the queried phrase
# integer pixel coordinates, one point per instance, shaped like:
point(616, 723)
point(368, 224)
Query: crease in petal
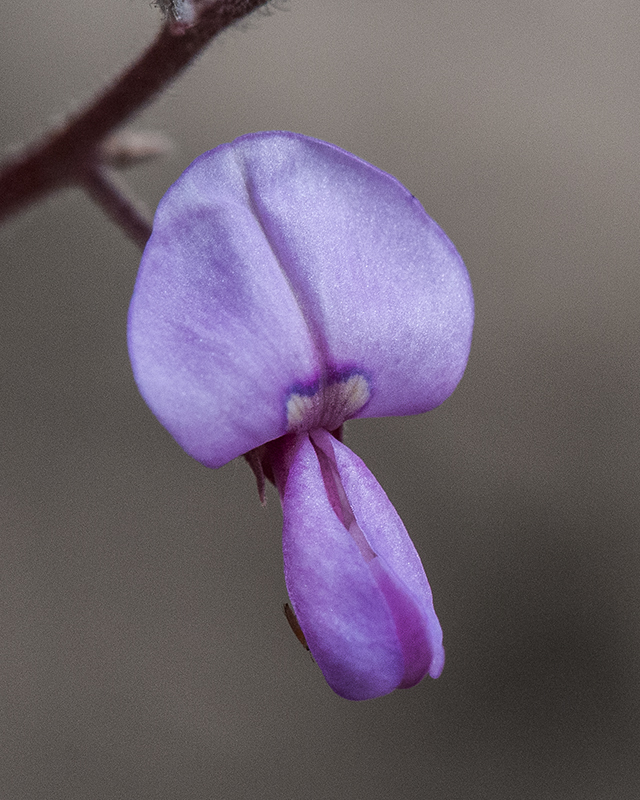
point(388, 538)
point(365, 628)
point(341, 611)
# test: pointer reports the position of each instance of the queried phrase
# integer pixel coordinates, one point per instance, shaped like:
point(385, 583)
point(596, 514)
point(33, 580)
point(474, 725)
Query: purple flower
point(289, 286)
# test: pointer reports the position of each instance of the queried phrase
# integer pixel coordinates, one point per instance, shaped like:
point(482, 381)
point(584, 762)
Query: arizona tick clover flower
point(287, 287)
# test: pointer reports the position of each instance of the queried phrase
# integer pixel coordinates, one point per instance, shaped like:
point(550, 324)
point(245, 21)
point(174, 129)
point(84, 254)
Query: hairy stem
point(70, 154)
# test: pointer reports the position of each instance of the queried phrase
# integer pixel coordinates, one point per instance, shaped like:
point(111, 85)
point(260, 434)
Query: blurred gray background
point(143, 650)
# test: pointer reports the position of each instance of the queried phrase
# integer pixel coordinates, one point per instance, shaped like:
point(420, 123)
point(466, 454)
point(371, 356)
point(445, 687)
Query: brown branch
point(68, 154)
point(112, 196)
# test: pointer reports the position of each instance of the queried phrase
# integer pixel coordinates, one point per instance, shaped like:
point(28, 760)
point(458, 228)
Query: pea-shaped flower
point(287, 287)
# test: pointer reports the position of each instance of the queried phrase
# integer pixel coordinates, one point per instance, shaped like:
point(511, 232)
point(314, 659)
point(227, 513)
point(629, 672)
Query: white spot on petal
point(329, 407)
